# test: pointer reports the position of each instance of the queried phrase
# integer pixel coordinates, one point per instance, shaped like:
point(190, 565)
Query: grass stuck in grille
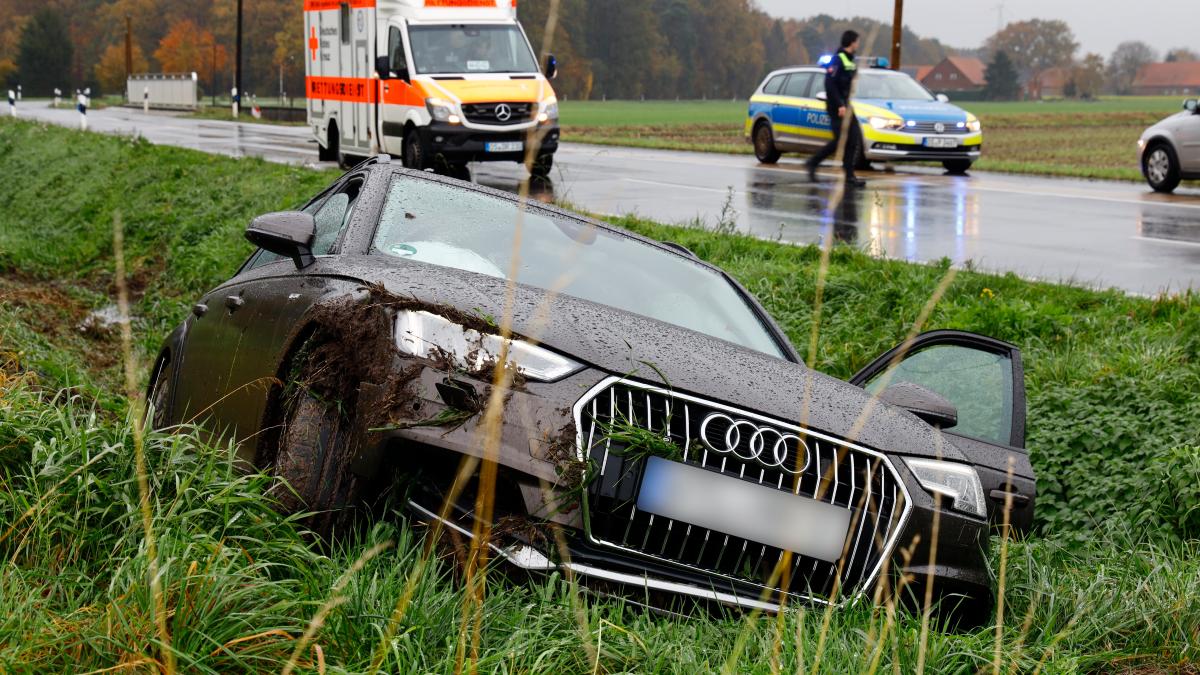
point(830, 471)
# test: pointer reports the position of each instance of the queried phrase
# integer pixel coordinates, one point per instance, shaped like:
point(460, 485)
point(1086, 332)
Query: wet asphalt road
point(1105, 234)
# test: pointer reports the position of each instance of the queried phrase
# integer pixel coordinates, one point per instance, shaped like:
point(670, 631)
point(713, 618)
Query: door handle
point(199, 309)
point(234, 302)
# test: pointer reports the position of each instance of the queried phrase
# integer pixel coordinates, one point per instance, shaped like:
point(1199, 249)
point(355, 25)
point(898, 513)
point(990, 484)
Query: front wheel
point(957, 166)
point(541, 166)
point(764, 144)
point(414, 155)
point(1161, 168)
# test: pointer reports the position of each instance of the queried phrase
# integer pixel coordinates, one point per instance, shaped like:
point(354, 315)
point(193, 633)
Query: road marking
point(1158, 240)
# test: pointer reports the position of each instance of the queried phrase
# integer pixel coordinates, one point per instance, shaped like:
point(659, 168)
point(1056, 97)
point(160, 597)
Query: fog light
point(543, 118)
point(454, 119)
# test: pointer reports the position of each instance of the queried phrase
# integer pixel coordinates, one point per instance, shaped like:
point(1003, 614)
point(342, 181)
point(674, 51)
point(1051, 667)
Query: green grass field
point(1108, 584)
point(1086, 139)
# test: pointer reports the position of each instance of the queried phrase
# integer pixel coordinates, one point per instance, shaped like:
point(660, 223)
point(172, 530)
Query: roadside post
point(146, 100)
point(233, 94)
point(12, 102)
point(19, 92)
point(57, 97)
point(81, 101)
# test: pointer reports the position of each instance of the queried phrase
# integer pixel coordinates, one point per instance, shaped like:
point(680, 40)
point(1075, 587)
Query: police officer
point(839, 75)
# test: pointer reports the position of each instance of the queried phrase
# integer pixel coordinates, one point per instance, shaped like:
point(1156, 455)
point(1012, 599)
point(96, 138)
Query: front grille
point(949, 128)
point(835, 472)
point(494, 113)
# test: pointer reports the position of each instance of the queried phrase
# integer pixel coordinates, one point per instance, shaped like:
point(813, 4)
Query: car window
point(774, 84)
point(797, 85)
point(979, 383)
point(331, 216)
point(890, 86)
point(463, 229)
point(396, 50)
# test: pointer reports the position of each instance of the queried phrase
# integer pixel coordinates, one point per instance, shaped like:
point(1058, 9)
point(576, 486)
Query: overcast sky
point(1099, 25)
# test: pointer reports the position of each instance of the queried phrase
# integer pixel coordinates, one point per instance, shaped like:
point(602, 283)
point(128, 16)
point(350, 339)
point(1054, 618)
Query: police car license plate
point(729, 505)
point(504, 146)
point(941, 142)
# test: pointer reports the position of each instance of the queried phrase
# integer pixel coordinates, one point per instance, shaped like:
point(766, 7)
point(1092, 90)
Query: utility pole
point(237, 76)
point(128, 47)
point(897, 29)
point(212, 71)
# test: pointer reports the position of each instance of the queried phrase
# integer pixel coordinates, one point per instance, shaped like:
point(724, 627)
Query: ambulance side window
point(396, 50)
point(344, 22)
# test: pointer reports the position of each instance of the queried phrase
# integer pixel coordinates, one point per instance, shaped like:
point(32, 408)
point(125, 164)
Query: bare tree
point(1125, 62)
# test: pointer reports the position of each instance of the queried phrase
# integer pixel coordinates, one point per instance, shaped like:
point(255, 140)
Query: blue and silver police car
point(900, 119)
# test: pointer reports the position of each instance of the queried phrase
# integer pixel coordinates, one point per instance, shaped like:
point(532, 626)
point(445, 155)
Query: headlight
point(1141, 143)
point(427, 335)
point(974, 125)
point(959, 482)
point(441, 110)
point(886, 123)
point(550, 110)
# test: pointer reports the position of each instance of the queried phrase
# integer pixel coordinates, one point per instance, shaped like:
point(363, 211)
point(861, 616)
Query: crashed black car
point(657, 414)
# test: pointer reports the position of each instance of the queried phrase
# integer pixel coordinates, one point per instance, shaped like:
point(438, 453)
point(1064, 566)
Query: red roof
point(971, 68)
point(922, 71)
point(1178, 74)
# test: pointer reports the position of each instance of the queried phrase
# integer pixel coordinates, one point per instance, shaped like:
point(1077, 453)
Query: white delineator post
point(12, 102)
point(57, 97)
point(19, 93)
point(146, 100)
point(81, 103)
point(234, 95)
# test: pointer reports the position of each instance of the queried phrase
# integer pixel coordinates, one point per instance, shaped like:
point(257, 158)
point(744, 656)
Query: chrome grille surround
point(950, 129)
point(857, 575)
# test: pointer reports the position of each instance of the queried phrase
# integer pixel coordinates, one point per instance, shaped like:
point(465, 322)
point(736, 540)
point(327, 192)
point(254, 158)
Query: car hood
point(622, 343)
point(922, 111)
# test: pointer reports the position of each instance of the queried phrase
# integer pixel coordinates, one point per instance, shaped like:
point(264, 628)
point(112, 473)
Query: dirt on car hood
point(626, 344)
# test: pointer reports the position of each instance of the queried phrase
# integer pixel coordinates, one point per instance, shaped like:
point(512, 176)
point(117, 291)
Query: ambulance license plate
point(504, 146)
point(941, 142)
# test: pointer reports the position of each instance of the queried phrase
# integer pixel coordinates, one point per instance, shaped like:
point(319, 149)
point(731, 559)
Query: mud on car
point(657, 414)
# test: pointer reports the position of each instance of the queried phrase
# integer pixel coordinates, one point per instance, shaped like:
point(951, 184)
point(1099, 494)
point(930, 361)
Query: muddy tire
point(1160, 166)
point(957, 166)
point(414, 156)
point(313, 457)
point(764, 144)
point(158, 396)
point(541, 167)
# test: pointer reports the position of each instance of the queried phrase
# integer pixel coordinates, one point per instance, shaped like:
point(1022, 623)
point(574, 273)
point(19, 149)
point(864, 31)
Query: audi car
point(652, 410)
point(900, 120)
point(1169, 151)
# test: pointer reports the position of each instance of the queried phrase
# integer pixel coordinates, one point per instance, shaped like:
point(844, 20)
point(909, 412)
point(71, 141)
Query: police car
point(899, 118)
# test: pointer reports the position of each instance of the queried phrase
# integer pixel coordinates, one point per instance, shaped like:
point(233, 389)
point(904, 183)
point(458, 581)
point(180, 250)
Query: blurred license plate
point(732, 506)
point(504, 146)
point(941, 142)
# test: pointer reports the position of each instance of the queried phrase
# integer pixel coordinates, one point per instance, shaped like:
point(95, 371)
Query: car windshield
point(458, 48)
point(453, 227)
point(890, 86)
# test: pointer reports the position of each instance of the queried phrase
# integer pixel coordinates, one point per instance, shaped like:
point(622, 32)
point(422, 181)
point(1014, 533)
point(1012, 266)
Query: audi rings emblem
point(766, 445)
point(939, 127)
point(503, 112)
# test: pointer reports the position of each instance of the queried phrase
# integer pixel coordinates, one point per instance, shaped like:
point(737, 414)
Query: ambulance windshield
point(465, 49)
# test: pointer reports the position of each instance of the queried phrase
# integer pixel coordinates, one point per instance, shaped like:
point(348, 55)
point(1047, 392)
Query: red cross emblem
point(313, 43)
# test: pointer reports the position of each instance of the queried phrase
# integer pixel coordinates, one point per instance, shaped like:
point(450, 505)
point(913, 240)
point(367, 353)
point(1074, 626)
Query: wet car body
point(1169, 151)
point(231, 365)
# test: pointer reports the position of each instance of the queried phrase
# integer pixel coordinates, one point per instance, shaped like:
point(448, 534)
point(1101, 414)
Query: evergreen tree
point(44, 54)
point(1001, 75)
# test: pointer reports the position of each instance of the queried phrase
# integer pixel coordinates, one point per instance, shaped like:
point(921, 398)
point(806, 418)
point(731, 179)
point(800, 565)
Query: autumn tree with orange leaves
point(187, 48)
point(110, 72)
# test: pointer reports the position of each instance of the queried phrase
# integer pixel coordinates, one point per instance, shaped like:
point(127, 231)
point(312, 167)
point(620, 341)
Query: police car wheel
point(1161, 168)
point(764, 144)
point(957, 166)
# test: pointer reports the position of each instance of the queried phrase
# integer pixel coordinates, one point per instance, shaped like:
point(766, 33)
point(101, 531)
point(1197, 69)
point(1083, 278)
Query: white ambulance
point(438, 83)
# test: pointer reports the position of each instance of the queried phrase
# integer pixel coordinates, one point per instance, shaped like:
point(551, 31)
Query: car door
point(1188, 133)
point(985, 380)
point(791, 109)
point(398, 97)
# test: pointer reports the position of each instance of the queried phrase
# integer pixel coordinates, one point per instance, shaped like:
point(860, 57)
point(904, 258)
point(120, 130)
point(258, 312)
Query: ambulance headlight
point(441, 110)
point(549, 112)
point(886, 123)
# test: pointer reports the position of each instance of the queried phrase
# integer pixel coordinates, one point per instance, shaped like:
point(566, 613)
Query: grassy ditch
point(1094, 139)
point(1108, 584)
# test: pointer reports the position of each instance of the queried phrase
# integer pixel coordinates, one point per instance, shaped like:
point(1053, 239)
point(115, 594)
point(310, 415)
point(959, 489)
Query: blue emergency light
point(825, 60)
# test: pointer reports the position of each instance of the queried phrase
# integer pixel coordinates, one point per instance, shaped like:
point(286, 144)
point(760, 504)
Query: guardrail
point(177, 91)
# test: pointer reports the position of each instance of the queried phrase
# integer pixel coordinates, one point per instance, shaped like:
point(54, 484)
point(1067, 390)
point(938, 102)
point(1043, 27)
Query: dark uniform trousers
point(853, 141)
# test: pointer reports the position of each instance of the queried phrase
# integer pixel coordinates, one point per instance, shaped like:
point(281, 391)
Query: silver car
point(1170, 150)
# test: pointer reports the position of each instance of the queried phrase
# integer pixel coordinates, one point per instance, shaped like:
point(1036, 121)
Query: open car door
point(984, 379)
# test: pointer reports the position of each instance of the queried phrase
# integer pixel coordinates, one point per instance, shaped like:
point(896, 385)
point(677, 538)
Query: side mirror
point(822, 96)
point(286, 233)
point(383, 67)
point(924, 403)
point(551, 67)
point(942, 98)
point(1192, 105)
